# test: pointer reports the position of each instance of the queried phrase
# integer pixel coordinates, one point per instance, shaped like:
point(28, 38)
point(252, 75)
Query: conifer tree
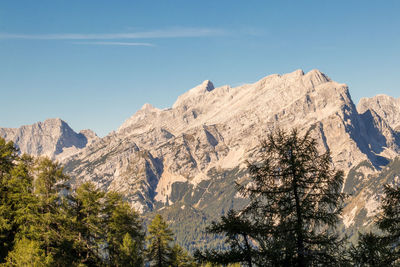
point(384, 249)
point(28, 253)
point(389, 220)
point(14, 187)
point(86, 227)
point(129, 252)
point(295, 201)
point(239, 233)
point(181, 258)
point(371, 250)
point(123, 230)
point(46, 220)
point(159, 251)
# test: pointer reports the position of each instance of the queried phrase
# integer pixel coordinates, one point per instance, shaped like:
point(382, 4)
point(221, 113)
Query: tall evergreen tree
point(295, 202)
point(159, 251)
point(86, 228)
point(123, 231)
point(15, 187)
point(46, 220)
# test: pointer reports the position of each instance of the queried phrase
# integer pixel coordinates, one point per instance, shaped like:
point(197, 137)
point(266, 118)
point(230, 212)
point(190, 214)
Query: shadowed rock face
point(387, 107)
point(52, 138)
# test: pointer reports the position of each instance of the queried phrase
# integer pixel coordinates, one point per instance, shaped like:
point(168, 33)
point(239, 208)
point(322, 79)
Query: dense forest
point(295, 202)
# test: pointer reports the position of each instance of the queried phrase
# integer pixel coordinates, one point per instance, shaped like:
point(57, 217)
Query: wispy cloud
point(115, 43)
point(166, 33)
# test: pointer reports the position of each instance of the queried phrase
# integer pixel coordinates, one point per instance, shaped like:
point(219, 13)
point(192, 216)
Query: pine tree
point(159, 251)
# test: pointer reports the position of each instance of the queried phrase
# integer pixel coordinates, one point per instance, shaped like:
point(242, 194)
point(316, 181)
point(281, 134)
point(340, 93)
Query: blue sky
point(95, 63)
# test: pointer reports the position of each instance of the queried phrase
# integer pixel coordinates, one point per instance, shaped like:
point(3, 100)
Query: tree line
point(45, 223)
point(295, 202)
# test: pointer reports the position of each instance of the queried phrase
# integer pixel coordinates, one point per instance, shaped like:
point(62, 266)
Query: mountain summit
point(53, 138)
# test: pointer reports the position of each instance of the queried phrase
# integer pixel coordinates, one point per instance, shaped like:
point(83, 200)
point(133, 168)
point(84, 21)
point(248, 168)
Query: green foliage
point(124, 233)
point(180, 258)
point(28, 253)
point(43, 223)
point(159, 250)
point(129, 252)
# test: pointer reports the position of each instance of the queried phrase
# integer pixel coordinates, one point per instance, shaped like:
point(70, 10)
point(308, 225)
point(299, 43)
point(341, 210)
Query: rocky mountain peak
point(148, 106)
point(194, 94)
point(52, 137)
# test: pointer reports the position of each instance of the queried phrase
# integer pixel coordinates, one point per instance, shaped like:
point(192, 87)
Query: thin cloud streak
point(168, 33)
point(115, 43)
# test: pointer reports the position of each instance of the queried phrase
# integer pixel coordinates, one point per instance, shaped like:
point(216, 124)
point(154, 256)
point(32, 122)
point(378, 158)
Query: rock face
point(383, 113)
point(52, 138)
point(387, 107)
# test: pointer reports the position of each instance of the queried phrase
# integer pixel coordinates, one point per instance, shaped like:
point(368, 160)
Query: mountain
point(183, 161)
point(52, 138)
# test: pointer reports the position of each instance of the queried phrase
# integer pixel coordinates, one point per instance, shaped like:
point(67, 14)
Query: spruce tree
point(159, 250)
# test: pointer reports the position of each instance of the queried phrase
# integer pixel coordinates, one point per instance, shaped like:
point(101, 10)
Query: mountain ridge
point(191, 154)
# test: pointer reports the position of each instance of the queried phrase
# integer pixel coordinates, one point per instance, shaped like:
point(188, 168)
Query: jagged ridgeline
point(183, 161)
